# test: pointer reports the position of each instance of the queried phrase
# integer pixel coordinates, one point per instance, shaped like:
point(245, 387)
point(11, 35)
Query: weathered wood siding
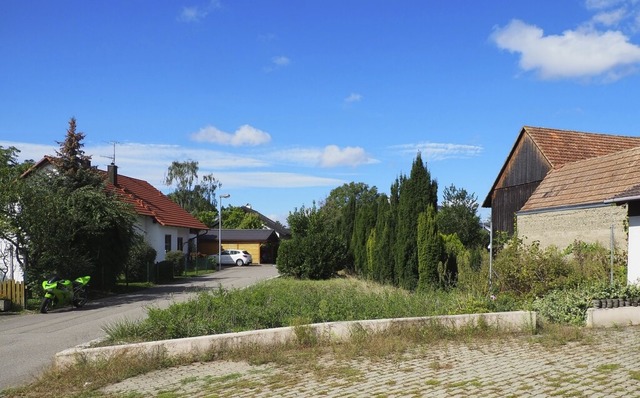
point(525, 169)
point(507, 201)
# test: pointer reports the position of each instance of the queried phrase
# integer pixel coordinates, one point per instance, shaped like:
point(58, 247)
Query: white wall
point(154, 235)
point(633, 270)
point(9, 267)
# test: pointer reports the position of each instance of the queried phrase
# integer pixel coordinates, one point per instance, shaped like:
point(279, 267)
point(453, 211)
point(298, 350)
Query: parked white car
point(237, 257)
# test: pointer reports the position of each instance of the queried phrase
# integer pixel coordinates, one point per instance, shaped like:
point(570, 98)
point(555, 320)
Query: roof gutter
point(563, 208)
point(624, 199)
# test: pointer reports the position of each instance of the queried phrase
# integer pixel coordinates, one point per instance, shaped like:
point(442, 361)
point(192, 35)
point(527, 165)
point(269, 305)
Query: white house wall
point(154, 234)
point(9, 267)
point(633, 270)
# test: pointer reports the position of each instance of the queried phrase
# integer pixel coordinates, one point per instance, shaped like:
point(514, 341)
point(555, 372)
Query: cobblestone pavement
point(605, 364)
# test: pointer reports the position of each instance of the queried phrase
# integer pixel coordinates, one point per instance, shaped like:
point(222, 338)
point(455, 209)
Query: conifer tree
point(71, 161)
point(383, 255)
point(364, 223)
point(430, 248)
point(416, 193)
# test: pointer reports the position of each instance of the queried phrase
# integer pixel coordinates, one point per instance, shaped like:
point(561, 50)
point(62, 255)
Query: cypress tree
point(430, 248)
point(416, 193)
point(383, 255)
point(364, 223)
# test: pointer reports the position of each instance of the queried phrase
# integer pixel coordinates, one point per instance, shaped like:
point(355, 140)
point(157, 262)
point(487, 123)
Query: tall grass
point(283, 302)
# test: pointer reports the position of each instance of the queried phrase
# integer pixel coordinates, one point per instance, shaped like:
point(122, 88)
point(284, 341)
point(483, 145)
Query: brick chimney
point(112, 173)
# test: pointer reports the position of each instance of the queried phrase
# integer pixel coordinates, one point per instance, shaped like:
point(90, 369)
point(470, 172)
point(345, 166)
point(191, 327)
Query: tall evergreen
point(72, 163)
point(364, 223)
point(382, 254)
point(430, 249)
point(416, 193)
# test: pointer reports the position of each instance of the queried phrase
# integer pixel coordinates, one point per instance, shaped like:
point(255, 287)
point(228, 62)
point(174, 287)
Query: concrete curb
point(509, 321)
point(608, 317)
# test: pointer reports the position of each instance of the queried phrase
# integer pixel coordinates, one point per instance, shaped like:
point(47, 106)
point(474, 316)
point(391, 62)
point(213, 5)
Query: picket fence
point(13, 291)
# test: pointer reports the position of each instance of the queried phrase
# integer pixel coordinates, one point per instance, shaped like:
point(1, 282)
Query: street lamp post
point(490, 229)
point(225, 196)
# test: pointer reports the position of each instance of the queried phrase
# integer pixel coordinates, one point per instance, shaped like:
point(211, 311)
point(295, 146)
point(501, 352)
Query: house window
point(180, 244)
point(167, 243)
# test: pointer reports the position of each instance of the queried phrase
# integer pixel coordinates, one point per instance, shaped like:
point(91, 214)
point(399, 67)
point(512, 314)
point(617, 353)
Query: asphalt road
point(28, 342)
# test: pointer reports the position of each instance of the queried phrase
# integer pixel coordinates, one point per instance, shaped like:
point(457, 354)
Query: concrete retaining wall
point(608, 317)
point(509, 321)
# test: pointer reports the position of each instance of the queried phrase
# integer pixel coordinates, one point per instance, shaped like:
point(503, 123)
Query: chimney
point(112, 172)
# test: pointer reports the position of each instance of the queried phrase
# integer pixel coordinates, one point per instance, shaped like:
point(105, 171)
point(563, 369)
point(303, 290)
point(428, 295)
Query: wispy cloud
point(601, 4)
point(434, 151)
point(245, 135)
point(278, 62)
point(198, 13)
point(150, 162)
point(275, 180)
point(327, 157)
point(281, 60)
point(597, 48)
point(353, 97)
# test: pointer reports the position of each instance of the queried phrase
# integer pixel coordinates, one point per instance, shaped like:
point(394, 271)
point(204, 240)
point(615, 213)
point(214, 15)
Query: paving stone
point(514, 367)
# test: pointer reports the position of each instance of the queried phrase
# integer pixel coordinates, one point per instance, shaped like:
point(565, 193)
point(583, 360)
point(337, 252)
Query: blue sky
point(282, 101)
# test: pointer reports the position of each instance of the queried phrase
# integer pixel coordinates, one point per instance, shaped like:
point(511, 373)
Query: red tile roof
point(149, 201)
point(565, 146)
point(146, 200)
point(589, 181)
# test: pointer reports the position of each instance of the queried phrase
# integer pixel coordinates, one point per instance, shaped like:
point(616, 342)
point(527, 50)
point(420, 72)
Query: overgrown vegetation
point(284, 302)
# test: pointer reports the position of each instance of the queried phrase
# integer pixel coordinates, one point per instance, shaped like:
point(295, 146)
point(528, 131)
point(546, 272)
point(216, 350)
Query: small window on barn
point(167, 243)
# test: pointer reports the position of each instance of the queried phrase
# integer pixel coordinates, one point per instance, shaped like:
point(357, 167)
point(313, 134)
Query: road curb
point(506, 321)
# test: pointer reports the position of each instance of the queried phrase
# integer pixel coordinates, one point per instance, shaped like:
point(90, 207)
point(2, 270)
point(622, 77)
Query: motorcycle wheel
point(45, 306)
point(80, 298)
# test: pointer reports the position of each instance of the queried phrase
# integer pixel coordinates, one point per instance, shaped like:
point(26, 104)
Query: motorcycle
point(60, 291)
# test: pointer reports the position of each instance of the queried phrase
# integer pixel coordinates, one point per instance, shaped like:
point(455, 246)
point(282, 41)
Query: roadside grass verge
point(284, 302)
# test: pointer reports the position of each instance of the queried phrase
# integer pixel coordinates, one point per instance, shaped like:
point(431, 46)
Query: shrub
point(314, 251)
point(531, 271)
point(473, 271)
point(177, 258)
point(140, 261)
point(528, 270)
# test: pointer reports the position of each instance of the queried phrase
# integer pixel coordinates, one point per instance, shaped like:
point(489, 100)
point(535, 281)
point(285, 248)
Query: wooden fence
point(13, 291)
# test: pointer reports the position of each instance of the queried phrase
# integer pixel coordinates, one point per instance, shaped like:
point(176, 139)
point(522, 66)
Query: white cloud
point(434, 151)
point(198, 13)
point(574, 54)
point(327, 157)
point(274, 180)
point(353, 97)
point(277, 62)
point(601, 4)
point(280, 60)
point(333, 156)
point(245, 135)
point(610, 18)
point(29, 151)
